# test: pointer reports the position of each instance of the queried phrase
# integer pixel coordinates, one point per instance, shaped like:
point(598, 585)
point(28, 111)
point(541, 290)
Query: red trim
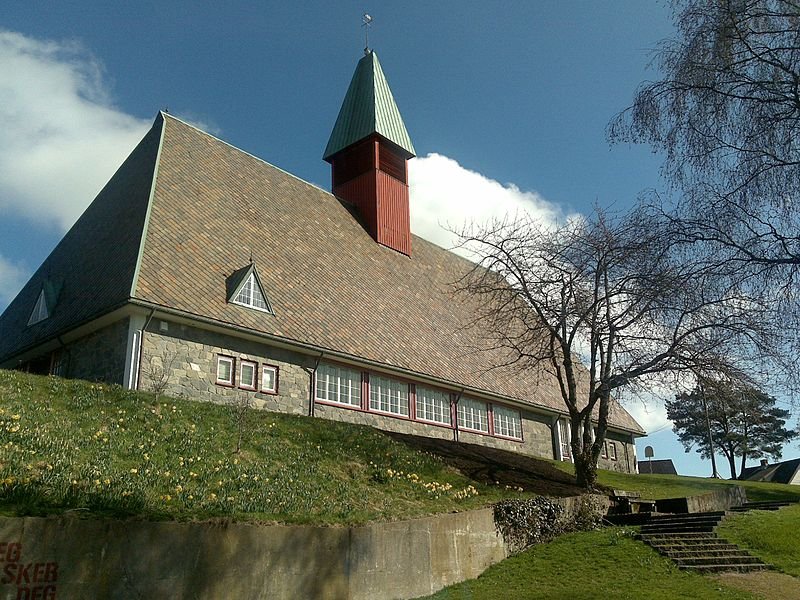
point(437, 423)
point(224, 383)
point(242, 386)
point(339, 404)
point(412, 405)
point(364, 391)
point(277, 375)
point(508, 437)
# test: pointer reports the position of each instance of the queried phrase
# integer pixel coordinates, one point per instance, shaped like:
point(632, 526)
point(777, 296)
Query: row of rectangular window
point(248, 375)
point(341, 385)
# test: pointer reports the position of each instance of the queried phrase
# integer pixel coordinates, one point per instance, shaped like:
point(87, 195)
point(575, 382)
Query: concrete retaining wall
point(722, 499)
point(48, 558)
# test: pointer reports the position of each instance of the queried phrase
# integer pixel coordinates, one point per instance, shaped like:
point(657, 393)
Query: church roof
point(186, 211)
point(368, 108)
point(91, 270)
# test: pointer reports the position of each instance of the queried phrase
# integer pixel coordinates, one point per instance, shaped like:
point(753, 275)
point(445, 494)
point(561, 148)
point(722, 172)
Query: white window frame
point(507, 422)
point(433, 406)
point(221, 358)
point(473, 415)
point(389, 396)
point(338, 385)
point(564, 440)
point(253, 380)
point(612, 451)
point(245, 295)
point(264, 387)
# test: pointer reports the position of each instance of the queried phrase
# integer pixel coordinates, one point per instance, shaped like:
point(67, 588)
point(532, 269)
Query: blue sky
point(507, 105)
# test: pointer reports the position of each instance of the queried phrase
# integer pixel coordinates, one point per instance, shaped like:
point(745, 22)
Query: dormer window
point(40, 312)
point(45, 301)
point(245, 289)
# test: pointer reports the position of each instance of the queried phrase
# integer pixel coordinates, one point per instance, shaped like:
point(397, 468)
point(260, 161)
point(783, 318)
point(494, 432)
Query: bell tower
point(369, 150)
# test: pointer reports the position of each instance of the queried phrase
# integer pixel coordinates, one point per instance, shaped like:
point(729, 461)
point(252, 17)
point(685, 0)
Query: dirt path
point(769, 585)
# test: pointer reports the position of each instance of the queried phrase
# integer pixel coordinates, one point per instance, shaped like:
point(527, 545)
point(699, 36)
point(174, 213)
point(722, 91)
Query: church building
point(202, 271)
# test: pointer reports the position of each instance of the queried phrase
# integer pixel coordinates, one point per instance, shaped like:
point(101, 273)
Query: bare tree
point(726, 115)
point(157, 369)
point(240, 414)
point(603, 304)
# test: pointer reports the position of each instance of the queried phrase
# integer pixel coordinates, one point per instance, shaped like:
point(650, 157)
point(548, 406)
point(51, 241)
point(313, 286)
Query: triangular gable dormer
point(245, 289)
point(45, 302)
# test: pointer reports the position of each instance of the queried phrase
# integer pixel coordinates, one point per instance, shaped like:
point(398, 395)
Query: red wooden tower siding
point(369, 150)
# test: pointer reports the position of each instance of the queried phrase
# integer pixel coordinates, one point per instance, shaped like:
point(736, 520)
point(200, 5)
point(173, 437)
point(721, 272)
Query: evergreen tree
point(744, 421)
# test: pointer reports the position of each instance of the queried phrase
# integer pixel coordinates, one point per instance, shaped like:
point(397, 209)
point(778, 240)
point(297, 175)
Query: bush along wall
point(523, 523)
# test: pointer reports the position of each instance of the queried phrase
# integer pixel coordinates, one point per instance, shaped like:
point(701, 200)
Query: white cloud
point(61, 138)
point(652, 416)
point(445, 195)
point(12, 278)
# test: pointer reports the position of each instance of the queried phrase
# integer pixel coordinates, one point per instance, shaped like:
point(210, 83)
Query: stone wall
point(537, 434)
point(80, 558)
point(190, 356)
point(100, 356)
point(626, 456)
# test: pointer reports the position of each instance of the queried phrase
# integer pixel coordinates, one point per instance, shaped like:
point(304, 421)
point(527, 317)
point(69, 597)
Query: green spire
point(368, 108)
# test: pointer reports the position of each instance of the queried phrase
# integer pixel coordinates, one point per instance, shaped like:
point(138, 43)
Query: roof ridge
point(143, 237)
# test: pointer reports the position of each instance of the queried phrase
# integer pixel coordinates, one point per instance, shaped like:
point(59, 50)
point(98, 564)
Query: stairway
point(766, 505)
point(691, 542)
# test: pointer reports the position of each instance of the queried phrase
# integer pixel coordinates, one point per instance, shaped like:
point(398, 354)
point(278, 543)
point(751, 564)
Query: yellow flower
point(134, 471)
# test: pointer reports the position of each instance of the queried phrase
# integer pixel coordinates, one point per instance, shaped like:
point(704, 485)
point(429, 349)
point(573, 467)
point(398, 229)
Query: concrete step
point(665, 529)
point(702, 558)
point(691, 542)
point(766, 505)
point(679, 537)
point(719, 514)
point(721, 568)
point(706, 549)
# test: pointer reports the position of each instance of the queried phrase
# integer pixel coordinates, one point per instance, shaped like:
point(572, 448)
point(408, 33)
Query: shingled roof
point(787, 471)
point(213, 207)
point(94, 263)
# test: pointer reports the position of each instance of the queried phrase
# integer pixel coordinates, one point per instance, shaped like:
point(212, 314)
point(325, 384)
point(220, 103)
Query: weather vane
point(366, 21)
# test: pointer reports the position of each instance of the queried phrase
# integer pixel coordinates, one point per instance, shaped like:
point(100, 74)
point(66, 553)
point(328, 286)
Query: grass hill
point(74, 446)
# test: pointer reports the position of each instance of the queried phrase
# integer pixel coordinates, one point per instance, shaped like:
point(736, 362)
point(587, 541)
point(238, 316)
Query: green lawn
point(655, 487)
point(591, 565)
point(773, 536)
point(69, 445)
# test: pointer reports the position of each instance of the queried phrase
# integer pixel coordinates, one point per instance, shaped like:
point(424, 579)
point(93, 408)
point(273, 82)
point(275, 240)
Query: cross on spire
point(366, 23)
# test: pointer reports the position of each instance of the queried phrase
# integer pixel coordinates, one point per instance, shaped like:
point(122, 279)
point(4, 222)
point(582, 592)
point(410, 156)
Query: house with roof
point(663, 466)
point(787, 471)
point(206, 272)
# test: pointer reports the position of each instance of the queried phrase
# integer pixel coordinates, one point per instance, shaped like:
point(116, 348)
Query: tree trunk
point(732, 462)
point(585, 470)
point(744, 463)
